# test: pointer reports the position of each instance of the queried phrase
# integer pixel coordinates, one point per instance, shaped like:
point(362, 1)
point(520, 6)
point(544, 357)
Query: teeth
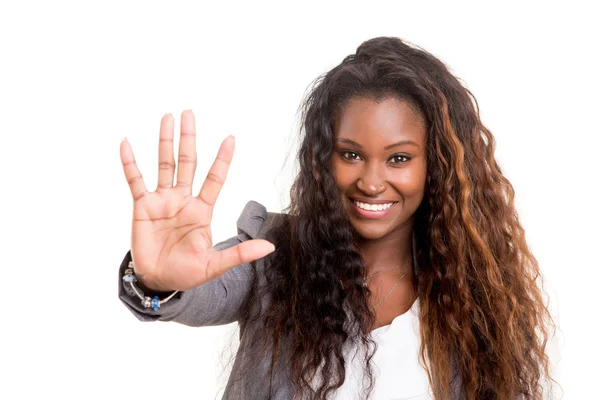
point(373, 207)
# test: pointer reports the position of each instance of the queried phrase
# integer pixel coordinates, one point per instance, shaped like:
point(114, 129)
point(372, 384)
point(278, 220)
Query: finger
point(166, 160)
point(132, 173)
point(186, 162)
point(218, 172)
point(244, 252)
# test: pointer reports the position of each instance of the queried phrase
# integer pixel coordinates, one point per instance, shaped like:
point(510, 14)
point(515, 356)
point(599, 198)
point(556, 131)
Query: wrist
point(147, 283)
point(151, 289)
point(149, 297)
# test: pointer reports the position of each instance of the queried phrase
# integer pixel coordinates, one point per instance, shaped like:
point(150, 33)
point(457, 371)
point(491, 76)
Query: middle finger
point(166, 160)
point(186, 163)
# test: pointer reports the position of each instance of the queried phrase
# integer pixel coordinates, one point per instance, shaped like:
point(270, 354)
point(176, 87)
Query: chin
point(370, 233)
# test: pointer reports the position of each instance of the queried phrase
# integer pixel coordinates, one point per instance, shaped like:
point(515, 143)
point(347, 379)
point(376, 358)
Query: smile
point(373, 207)
point(370, 210)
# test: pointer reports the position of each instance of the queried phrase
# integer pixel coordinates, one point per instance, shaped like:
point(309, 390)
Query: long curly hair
point(482, 313)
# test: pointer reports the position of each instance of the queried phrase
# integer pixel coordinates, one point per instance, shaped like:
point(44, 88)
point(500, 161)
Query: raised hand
point(171, 240)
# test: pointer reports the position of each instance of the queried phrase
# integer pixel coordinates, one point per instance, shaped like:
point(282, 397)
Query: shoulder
point(255, 221)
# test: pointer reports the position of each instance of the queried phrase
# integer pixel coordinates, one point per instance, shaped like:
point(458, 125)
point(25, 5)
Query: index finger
point(218, 172)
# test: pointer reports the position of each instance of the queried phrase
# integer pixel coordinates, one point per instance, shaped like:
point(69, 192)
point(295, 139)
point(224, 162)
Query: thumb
point(242, 253)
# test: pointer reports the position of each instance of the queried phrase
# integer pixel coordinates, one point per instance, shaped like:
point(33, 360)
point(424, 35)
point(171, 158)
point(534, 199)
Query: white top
point(396, 369)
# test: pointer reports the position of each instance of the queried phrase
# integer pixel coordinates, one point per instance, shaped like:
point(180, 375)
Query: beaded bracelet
point(147, 301)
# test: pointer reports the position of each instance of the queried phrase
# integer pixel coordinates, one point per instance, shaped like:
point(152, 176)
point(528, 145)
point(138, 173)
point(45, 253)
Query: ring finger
point(166, 160)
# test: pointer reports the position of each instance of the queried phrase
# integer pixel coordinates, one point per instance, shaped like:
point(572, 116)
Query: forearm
point(215, 302)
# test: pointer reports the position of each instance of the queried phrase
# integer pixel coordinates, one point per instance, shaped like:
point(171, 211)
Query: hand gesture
point(171, 241)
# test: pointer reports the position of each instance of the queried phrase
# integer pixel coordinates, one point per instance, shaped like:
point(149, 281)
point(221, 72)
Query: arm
point(215, 302)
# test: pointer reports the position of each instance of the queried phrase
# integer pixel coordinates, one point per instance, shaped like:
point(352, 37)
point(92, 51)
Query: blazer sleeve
point(215, 302)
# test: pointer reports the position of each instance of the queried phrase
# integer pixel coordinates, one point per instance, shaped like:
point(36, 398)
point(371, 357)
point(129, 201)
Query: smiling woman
point(401, 269)
point(380, 164)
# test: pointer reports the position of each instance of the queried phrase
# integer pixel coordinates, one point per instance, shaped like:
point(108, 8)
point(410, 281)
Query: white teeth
point(373, 207)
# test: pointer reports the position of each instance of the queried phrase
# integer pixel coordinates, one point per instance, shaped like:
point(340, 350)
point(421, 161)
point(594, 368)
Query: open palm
point(171, 241)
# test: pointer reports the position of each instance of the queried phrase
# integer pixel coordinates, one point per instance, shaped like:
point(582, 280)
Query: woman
point(399, 210)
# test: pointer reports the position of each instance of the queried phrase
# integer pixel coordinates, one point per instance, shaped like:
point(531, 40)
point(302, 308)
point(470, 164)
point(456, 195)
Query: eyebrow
point(389, 146)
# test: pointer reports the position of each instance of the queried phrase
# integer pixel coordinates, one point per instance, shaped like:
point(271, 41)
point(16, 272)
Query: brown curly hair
point(482, 313)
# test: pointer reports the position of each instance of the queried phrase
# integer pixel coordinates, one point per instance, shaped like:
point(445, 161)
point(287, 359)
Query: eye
point(350, 155)
point(399, 159)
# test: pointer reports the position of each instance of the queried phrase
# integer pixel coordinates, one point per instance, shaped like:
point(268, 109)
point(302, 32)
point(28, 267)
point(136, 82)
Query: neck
point(387, 252)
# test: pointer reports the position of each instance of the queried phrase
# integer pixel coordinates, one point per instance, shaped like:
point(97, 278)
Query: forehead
point(389, 119)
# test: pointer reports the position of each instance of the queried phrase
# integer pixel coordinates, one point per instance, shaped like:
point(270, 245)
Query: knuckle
point(136, 198)
point(134, 179)
point(203, 199)
point(214, 178)
point(186, 159)
point(240, 253)
point(166, 165)
point(221, 159)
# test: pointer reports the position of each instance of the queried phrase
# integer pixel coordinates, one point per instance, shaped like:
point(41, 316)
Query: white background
point(76, 77)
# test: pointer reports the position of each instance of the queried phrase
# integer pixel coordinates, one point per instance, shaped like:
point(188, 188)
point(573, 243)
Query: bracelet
point(147, 301)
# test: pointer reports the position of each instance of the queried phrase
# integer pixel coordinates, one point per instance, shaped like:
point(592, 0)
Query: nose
point(371, 182)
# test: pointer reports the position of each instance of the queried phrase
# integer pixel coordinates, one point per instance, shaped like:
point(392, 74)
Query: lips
point(371, 209)
point(372, 201)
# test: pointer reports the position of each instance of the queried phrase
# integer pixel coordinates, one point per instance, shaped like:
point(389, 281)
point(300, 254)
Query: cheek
point(411, 182)
point(344, 176)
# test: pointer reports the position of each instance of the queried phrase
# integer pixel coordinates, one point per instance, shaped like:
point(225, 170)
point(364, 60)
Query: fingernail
point(188, 117)
point(123, 139)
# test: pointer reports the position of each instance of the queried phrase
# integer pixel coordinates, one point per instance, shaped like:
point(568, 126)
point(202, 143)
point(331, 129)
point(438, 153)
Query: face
point(379, 164)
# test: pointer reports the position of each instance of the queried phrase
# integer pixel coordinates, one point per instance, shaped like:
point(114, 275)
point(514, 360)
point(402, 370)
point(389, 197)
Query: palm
point(171, 236)
point(171, 232)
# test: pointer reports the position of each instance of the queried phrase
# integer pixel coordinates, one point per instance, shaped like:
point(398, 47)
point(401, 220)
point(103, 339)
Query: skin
point(171, 239)
point(364, 168)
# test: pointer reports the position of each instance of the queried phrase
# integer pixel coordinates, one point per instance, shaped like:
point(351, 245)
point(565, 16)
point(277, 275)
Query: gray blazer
point(219, 302)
